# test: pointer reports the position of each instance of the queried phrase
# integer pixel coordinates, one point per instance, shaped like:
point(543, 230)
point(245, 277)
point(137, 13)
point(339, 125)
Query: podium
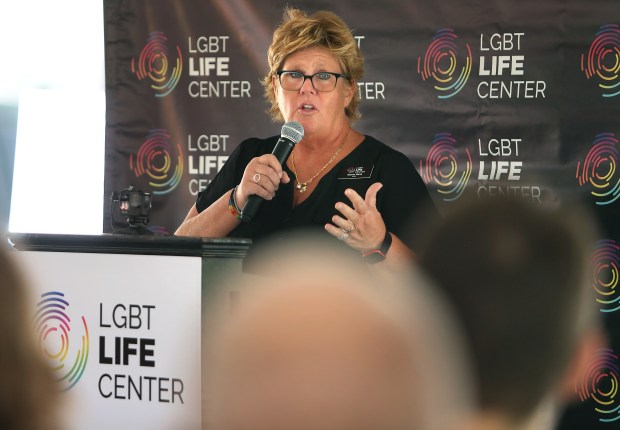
point(216, 254)
point(119, 319)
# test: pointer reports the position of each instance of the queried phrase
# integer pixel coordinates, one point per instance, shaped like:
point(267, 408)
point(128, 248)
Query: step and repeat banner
point(513, 97)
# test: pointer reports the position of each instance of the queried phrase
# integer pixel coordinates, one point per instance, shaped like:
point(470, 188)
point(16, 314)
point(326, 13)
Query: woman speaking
point(352, 186)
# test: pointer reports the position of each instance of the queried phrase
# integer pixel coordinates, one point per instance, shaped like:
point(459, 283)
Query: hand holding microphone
point(263, 174)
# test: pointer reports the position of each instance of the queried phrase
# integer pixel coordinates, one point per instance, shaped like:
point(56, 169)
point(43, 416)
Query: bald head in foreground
point(321, 345)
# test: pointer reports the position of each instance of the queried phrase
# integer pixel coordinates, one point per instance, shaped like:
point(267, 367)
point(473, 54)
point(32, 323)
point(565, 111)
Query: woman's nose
point(307, 86)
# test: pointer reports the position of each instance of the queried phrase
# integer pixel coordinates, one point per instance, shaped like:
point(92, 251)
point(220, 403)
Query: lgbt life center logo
point(63, 345)
point(448, 63)
point(599, 383)
point(160, 66)
point(160, 160)
point(598, 171)
point(602, 61)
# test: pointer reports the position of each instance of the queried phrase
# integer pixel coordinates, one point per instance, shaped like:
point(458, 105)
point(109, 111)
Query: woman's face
point(318, 112)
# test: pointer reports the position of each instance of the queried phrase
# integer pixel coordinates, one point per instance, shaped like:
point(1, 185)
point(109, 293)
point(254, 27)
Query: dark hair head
point(516, 274)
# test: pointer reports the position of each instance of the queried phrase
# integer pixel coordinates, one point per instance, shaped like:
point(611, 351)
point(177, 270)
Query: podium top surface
point(223, 247)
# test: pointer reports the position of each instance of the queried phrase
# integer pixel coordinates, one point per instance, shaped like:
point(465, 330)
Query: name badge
point(356, 172)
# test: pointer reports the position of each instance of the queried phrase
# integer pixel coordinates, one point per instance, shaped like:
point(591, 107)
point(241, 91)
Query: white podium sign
point(122, 332)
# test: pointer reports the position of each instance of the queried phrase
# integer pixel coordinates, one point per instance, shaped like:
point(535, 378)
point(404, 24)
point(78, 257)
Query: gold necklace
point(302, 186)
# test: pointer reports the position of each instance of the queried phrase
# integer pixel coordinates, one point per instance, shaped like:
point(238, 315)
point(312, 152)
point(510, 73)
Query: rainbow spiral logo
point(441, 61)
point(53, 324)
point(154, 64)
point(603, 60)
point(441, 167)
point(605, 264)
point(599, 169)
point(160, 160)
point(600, 383)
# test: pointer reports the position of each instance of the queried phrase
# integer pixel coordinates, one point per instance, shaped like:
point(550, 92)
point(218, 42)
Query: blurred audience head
point(516, 275)
point(321, 344)
point(28, 394)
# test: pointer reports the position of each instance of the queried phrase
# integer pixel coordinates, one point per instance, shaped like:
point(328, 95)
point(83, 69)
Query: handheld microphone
point(292, 132)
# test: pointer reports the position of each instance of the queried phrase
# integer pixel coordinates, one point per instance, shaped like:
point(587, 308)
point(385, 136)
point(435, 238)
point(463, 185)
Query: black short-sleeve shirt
point(402, 195)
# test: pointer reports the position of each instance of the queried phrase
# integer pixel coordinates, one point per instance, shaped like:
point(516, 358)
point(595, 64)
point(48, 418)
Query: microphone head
point(293, 131)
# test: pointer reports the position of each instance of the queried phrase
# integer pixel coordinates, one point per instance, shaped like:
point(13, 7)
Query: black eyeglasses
point(291, 80)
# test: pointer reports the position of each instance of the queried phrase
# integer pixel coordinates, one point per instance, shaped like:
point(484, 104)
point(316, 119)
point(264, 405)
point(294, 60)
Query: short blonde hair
point(298, 31)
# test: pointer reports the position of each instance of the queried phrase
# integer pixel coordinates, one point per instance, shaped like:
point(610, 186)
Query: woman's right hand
point(262, 176)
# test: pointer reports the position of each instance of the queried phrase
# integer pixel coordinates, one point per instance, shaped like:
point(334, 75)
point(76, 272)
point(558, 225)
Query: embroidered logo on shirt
point(356, 172)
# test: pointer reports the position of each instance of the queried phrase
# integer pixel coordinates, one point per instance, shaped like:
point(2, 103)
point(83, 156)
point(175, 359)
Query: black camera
point(133, 207)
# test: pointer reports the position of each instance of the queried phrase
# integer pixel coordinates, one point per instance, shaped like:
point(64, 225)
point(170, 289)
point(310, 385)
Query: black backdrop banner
point(491, 97)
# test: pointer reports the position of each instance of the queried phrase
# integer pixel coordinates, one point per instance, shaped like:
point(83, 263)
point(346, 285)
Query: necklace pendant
point(301, 187)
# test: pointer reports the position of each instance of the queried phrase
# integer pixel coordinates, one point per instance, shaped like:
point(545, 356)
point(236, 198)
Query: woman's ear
point(349, 92)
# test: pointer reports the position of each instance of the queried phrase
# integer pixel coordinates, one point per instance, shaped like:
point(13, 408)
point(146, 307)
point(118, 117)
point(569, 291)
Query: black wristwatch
point(376, 255)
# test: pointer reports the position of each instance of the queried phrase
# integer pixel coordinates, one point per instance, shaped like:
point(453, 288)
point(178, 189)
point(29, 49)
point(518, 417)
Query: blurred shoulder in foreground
point(28, 393)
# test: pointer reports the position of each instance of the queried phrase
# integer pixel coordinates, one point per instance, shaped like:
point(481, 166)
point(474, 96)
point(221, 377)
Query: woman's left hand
point(361, 226)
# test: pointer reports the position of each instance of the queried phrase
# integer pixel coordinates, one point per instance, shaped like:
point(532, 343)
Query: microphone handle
point(282, 151)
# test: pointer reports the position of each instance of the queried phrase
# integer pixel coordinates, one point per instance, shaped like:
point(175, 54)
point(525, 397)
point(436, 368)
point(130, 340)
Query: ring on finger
point(350, 229)
point(256, 177)
point(344, 235)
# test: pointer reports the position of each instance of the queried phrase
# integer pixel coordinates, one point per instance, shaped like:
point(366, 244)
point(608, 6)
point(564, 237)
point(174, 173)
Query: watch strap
point(379, 254)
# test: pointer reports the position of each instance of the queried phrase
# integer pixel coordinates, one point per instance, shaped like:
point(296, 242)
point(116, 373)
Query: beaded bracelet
point(232, 204)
